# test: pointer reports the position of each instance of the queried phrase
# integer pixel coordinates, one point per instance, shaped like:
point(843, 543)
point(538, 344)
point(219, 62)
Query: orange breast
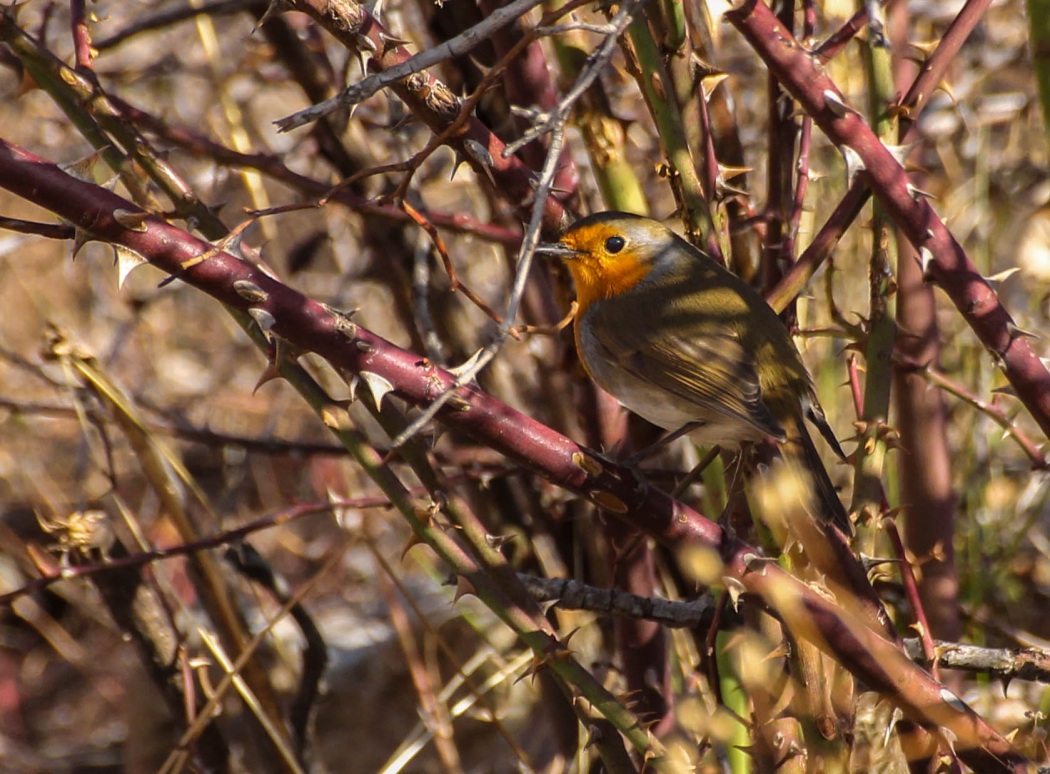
point(598, 274)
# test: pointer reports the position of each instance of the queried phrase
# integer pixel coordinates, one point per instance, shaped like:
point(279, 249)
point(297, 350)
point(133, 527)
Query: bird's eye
point(615, 244)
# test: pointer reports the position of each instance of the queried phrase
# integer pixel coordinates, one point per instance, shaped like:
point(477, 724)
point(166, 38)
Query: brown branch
point(204, 147)
point(1039, 460)
point(924, 462)
point(911, 590)
point(841, 37)
point(432, 102)
point(49, 230)
point(83, 53)
point(527, 81)
point(1020, 663)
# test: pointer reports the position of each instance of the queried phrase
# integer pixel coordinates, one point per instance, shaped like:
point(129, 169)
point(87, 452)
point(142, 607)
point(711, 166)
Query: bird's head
point(611, 252)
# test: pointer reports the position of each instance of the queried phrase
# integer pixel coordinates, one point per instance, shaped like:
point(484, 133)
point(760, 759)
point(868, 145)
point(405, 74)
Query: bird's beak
point(556, 250)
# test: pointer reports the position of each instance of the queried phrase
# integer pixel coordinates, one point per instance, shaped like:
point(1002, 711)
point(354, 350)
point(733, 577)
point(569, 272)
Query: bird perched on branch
point(680, 340)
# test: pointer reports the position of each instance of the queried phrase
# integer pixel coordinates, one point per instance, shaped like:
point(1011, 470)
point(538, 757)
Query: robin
point(681, 341)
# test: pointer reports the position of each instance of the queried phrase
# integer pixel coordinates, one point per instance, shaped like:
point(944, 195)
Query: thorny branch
point(463, 43)
point(294, 318)
point(943, 258)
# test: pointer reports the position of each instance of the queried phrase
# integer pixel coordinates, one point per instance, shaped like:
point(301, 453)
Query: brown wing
point(714, 373)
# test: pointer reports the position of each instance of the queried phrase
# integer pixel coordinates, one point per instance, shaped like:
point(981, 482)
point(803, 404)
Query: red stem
point(911, 589)
point(82, 51)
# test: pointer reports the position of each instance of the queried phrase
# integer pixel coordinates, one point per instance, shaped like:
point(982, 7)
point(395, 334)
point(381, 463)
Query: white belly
point(658, 406)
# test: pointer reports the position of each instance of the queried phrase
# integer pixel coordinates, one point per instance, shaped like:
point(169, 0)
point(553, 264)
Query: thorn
point(478, 152)
point(231, 244)
point(753, 561)
point(390, 42)
point(378, 385)
point(83, 169)
point(710, 82)
point(735, 589)
point(127, 261)
point(80, 238)
point(895, 718)
point(1015, 331)
point(947, 89)
point(466, 366)
point(250, 292)
point(926, 47)
point(999, 278)
point(897, 110)
point(457, 162)
point(925, 262)
point(854, 163)
point(463, 587)
point(918, 193)
point(782, 650)
point(900, 152)
point(483, 68)
point(481, 155)
point(724, 190)
point(269, 374)
point(498, 541)
point(1006, 680)
point(950, 737)
point(413, 541)
point(365, 43)
point(262, 318)
point(833, 101)
point(728, 172)
point(130, 219)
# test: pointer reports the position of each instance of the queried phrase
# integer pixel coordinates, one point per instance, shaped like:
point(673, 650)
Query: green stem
point(659, 93)
point(603, 134)
point(870, 464)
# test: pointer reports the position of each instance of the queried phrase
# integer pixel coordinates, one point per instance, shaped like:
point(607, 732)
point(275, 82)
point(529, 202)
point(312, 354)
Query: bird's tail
point(800, 445)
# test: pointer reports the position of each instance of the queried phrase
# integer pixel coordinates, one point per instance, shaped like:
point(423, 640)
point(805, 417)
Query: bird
point(681, 341)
